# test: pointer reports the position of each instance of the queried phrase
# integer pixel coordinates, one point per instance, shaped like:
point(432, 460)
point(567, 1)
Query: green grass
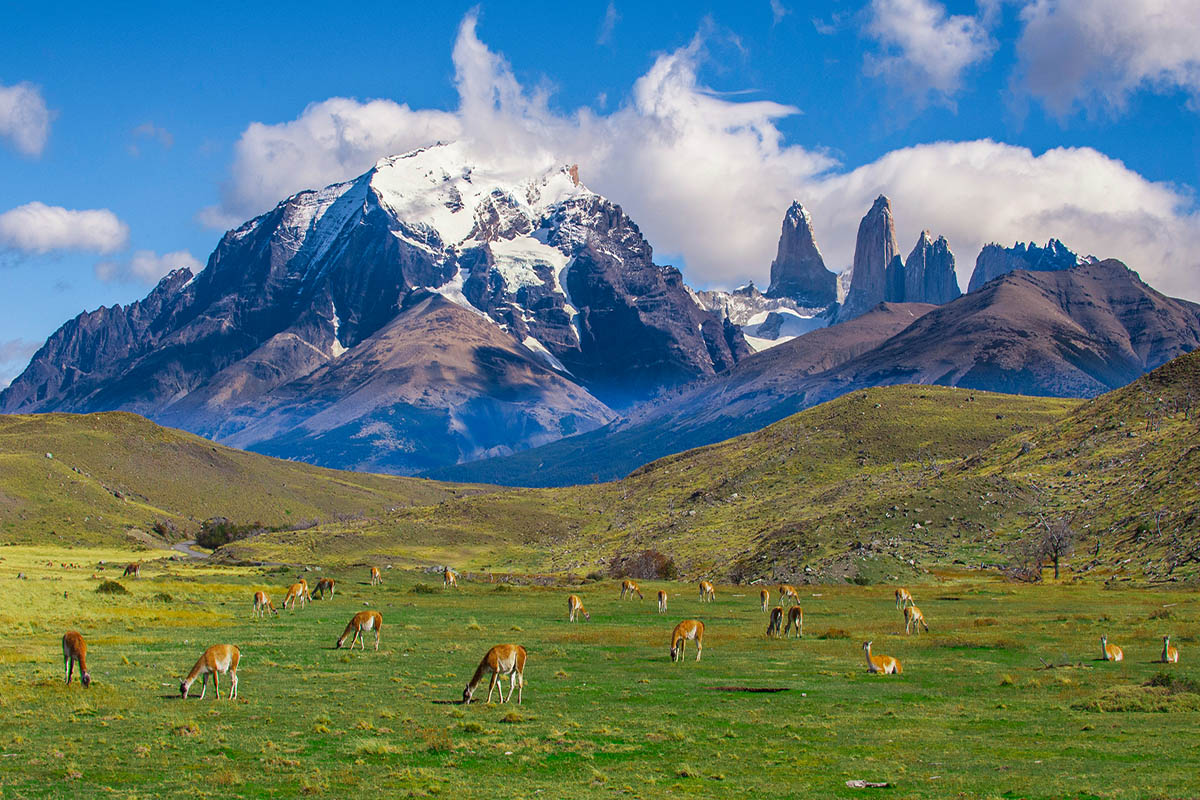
point(605, 712)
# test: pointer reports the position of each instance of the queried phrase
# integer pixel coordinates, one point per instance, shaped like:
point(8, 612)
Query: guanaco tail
point(788, 592)
point(375, 576)
point(575, 607)
point(688, 629)
point(502, 660)
point(881, 665)
point(296, 592)
point(775, 621)
point(629, 589)
point(707, 592)
point(914, 620)
point(764, 598)
point(75, 651)
point(324, 585)
point(662, 602)
point(903, 598)
point(263, 604)
point(1110, 652)
point(133, 569)
point(1170, 654)
point(217, 659)
point(795, 621)
point(449, 579)
point(362, 621)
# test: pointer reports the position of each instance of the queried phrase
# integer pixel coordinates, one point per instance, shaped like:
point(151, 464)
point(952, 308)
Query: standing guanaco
point(1170, 655)
point(795, 621)
point(263, 604)
point(1110, 652)
point(764, 598)
point(362, 621)
point(662, 602)
point(501, 660)
point(75, 650)
point(688, 629)
point(575, 607)
point(295, 593)
point(903, 598)
point(707, 592)
point(133, 569)
point(881, 665)
point(448, 579)
point(216, 659)
point(775, 621)
point(914, 619)
point(324, 585)
point(629, 589)
point(375, 576)
point(788, 592)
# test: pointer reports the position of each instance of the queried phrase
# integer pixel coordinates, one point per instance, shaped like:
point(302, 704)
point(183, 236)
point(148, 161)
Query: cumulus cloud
point(1074, 53)
point(145, 266)
point(39, 229)
point(14, 355)
point(922, 49)
point(708, 177)
point(24, 118)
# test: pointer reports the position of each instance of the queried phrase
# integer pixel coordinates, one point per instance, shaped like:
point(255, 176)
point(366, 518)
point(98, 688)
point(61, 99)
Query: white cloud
point(922, 49)
point(152, 132)
point(1074, 53)
point(146, 266)
point(24, 118)
point(778, 12)
point(38, 228)
point(608, 24)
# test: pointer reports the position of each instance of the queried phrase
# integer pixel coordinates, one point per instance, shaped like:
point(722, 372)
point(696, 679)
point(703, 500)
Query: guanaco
point(1170, 654)
point(133, 569)
point(448, 579)
point(795, 621)
point(1110, 652)
point(375, 576)
point(688, 629)
point(362, 621)
point(707, 592)
point(263, 604)
point(324, 585)
point(881, 665)
point(216, 659)
point(575, 607)
point(775, 621)
point(764, 598)
point(662, 602)
point(295, 593)
point(629, 589)
point(502, 660)
point(75, 650)
point(903, 598)
point(788, 592)
point(914, 619)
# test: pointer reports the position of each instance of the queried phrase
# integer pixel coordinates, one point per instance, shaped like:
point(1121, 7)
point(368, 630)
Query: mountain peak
point(994, 260)
point(798, 271)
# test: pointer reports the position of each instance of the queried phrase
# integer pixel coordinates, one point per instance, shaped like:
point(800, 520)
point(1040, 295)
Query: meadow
point(976, 713)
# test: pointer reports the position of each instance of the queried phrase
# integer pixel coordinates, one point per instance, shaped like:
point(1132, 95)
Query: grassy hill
point(87, 479)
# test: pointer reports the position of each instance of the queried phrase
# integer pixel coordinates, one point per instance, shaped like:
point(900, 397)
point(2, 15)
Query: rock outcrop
point(994, 260)
point(798, 272)
point(875, 249)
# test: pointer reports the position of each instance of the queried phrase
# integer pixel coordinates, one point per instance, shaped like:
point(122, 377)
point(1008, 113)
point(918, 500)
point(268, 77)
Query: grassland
point(605, 712)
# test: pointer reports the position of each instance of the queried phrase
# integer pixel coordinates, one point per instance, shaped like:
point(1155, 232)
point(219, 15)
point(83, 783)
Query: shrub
point(860, 580)
point(162, 597)
point(834, 633)
point(423, 588)
point(1175, 684)
point(502, 587)
point(218, 531)
point(646, 565)
point(595, 575)
point(166, 529)
point(111, 587)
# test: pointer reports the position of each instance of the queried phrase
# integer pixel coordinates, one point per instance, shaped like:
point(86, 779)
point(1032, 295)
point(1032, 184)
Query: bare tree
point(1058, 540)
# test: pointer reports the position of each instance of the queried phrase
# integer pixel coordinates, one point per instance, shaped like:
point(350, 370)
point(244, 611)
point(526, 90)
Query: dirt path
point(187, 549)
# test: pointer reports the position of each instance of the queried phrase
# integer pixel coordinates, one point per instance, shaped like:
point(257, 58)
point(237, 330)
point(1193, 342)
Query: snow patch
point(515, 261)
point(540, 350)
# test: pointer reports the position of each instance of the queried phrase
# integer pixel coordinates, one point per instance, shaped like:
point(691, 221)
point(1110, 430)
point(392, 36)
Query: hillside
point(89, 478)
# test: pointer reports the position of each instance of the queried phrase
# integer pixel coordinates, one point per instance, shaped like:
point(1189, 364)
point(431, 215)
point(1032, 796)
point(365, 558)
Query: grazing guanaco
point(295, 593)
point(216, 659)
point(764, 598)
point(502, 660)
point(775, 621)
point(133, 569)
point(707, 592)
point(263, 604)
point(629, 589)
point(575, 607)
point(881, 665)
point(795, 621)
point(362, 621)
point(1170, 655)
point(448, 579)
point(903, 598)
point(788, 592)
point(688, 629)
point(75, 650)
point(375, 576)
point(914, 619)
point(662, 602)
point(1110, 652)
point(324, 585)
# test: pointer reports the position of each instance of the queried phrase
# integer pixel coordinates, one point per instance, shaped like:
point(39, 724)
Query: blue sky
point(993, 120)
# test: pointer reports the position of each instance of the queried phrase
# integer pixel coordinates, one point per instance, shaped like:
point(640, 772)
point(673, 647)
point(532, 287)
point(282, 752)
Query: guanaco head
point(587, 616)
point(674, 653)
point(867, 647)
point(183, 689)
point(1104, 641)
point(85, 678)
point(468, 693)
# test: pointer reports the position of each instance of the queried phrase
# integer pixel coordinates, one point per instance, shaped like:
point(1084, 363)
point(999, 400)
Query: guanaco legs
point(75, 650)
point(913, 620)
point(707, 592)
point(217, 659)
point(575, 607)
point(764, 598)
point(1110, 652)
point(662, 602)
point(795, 621)
point(263, 604)
point(629, 589)
point(881, 665)
point(449, 579)
point(502, 660)
point(324, 585)
point(1170, 655)
point(775, 621)
point(376, 578)
point(688, 629)
point(362, 621)
point(296, 592)
point(903, 598)
point(133, 569)
point(788, 592)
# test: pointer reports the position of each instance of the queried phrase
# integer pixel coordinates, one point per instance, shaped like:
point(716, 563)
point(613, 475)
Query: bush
point(163, 597)
point(834, 633)
point(423, 588)
point(166, 529)
point(111, 587)
point(1175, 684)
point(595, 575)
point(219, 531)
point(647, 565)
point(860, 580)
